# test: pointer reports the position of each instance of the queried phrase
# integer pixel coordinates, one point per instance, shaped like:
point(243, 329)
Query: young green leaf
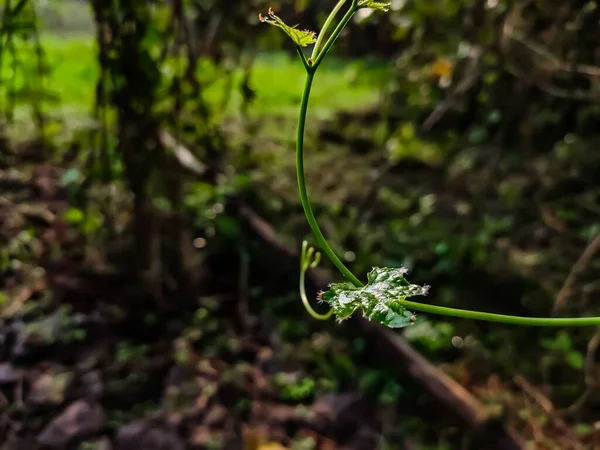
point(379, 6)
point(301, 38)
point(380, 299)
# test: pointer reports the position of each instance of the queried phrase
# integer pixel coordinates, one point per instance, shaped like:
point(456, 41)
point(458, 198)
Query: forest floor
point(90, 358)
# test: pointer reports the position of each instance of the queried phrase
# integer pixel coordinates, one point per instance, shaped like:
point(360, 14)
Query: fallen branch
point(488, 430)
point(184, 155)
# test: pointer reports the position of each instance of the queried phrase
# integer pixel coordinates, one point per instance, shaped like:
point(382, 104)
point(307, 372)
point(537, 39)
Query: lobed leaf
point(379, 6)
point(301, 38)
point(380, 299)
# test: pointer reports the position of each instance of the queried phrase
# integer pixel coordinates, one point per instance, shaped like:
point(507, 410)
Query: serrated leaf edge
point(300, 37)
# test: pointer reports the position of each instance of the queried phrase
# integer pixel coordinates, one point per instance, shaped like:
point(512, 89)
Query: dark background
point(150, 224)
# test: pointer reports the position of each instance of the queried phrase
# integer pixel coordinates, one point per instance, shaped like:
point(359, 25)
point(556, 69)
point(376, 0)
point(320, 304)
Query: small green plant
point(292, 388)
point(127, 352)
point(384, 298)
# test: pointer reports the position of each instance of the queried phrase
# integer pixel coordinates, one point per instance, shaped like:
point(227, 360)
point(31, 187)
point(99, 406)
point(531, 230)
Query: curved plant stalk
point(400, 305)
point(503, 318)
point(310, 216)
point(336, 33)
point(326, 25)
point(307, 262)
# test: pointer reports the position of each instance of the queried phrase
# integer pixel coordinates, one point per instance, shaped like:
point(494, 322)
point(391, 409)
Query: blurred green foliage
point(457, 138)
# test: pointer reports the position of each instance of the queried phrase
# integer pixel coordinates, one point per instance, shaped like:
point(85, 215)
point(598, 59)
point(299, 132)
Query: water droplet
point(199, 243)
point(457, 341)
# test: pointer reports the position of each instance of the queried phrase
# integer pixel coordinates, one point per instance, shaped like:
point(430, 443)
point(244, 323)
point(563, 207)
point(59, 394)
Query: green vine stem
point(326, 25)
point(336, 33)
point(308, 212)
point(311, 66)
point(503, 318)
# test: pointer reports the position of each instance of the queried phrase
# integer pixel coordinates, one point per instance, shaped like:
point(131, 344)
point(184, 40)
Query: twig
point(582, 263)
point(545, 70)
point(244, 285)
point(534, 393)
point(591, 383)
point(184, 155)
point(555, 63)
point(471, 74)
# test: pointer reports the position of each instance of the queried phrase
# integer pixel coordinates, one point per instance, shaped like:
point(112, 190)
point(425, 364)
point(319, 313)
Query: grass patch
point(339, 85)
point(277, 79)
